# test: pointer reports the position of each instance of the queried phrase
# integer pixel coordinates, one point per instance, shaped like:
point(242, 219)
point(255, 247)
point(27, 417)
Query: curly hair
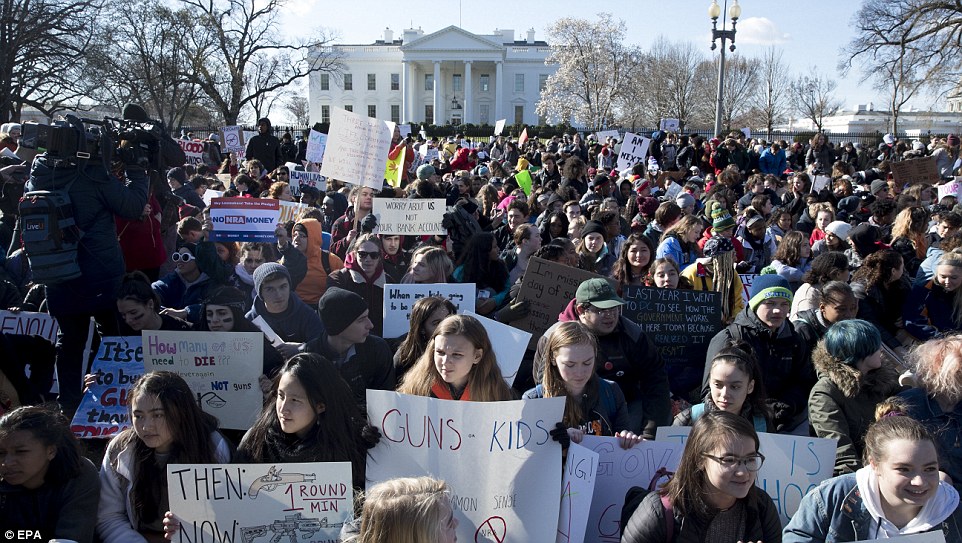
point(877, 268)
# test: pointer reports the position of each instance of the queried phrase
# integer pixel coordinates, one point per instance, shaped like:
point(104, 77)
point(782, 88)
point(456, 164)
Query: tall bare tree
point(668, 85)
point(740, 88)
point(814, 97)
point(248, 44)
point(300, 109)
point(772, 104)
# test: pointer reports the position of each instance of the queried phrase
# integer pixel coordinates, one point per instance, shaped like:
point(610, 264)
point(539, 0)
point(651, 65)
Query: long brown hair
point(565, 335)
point(622, 270)
point(416, 341)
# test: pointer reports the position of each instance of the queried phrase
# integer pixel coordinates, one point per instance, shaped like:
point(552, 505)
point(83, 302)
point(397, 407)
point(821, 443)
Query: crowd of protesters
point(854, 298)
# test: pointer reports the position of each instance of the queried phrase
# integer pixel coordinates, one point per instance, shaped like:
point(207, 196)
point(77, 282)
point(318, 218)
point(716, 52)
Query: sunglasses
point(373, 255)
point(182, 257)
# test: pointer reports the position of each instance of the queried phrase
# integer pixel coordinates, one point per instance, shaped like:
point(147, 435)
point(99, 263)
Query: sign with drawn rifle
point(260, 503)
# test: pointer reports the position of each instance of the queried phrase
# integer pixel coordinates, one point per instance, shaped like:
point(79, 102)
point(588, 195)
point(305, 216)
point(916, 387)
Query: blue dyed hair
point(852, 340)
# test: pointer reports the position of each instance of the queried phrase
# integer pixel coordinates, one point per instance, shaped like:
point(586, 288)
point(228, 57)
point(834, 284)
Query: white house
point(864, 118)
point(451, 76)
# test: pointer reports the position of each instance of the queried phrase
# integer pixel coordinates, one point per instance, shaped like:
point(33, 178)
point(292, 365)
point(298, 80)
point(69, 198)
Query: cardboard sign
point(820, 182)
point(499, 126)
point(605, 134)
point(244, 219)
point(357, 149)
point(548, 287)
point(619, 470)
point(634, 149)
point(306, 179)
point(577, 489)
point(260, 502)
point(669, 125)
point(747, 280)
point(316, 143)
point(194, 150)
point(28, 323)
point(291, 211)
point(400, 298)
point(404, 217)
point(233, 139)
point(221, 368)
point(103, 409)
point(508, 344)
point(681, 323)
point(952, 188)
point(498, 458)
point(916, 170)
point(793, 465)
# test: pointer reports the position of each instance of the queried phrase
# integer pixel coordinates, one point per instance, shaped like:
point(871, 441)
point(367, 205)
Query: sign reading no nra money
point(357, 149)
point(403, 217)
point(244, 219)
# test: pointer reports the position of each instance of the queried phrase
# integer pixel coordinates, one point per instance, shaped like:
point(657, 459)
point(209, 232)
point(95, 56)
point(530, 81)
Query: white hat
point(839, 228)
point(889, 139)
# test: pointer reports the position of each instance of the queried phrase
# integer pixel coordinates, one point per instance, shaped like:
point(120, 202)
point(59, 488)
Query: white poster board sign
point(577, 489)
point(952, 188)
point(28, 323)
point(316, 142)
point(260, 502)
point(634, 149)
point(233, 139)
point(670, 125)
point(292, 211)
point(793, 465)
point(499, 126)
point(193, 150)
point(497, 457)
point(820, 182)
point(605, 134)
point(357, 149)
point(404, 130)
point(404, 217)
point(619, 470)
point(221, 368)
point(210, 194)
point(400, 298)
point(103, 412)
point(747, 280)
point(306, 179)
point(508, 342)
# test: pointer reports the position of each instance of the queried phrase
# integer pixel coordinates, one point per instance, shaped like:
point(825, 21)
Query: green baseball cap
point(597, 292)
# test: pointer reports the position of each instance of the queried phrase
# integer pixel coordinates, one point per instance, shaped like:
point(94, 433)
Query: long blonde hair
point(436, 259)
point(405, 510)
point(485, 381)
point(565, 335)
point(953, 258)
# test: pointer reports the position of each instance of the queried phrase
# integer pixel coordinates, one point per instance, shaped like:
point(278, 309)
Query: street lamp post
point(714, 11)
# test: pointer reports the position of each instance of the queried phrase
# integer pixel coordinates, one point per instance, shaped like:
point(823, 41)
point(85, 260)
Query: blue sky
point(810, 33)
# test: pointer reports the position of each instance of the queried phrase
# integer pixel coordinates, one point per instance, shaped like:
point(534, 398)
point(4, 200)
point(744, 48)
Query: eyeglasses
point(752, 462)
point(182, 257)
point(373, 255)
point(611, 311)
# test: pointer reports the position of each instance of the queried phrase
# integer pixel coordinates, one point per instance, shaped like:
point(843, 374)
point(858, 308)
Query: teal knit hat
point(766, 287)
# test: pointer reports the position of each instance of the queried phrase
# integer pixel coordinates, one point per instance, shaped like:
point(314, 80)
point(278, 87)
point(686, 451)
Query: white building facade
point(451, 76)
point(864, 118)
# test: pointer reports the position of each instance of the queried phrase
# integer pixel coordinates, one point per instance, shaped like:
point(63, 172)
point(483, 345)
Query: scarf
point(282, 447)
point(351, 263)
point(443, 391)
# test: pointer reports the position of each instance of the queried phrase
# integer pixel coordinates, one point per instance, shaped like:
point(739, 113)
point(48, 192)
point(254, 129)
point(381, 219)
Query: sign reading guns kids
point(103, 409)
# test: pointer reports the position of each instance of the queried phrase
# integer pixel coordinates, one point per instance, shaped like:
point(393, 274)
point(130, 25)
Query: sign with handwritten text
point(634, 149)
point(793, 465)
point(503, 468)
point(357, 149)
point(316, 142)
point(916, 170)
point(577, 489)
point(103, 409)
point(300, 178)
point(260, 502)
point(193, 150)
point(221, 368)
point(404, 217)
point(400, 298)
point(28, 323)
point(619, 470)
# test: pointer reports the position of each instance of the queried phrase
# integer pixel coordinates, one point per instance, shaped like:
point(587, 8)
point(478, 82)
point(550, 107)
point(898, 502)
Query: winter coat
point(928, 311)
point(370, 367)
point(64, 511)
point(810, 325)
point(373, 293)
point(647, 524)
point(315, 282)
point(604, 411)
point(842, 405)
point(299, 323)
point(760, 422)
point(701, 279)
point(671, 247)
point(883, 308)
point(773, 163)
point(758, 254)
point(266, 148)
point(945, 426)
point(792, 274)
point(910, 257)
point(141, 241)
point(176, 293)
point(825, 156)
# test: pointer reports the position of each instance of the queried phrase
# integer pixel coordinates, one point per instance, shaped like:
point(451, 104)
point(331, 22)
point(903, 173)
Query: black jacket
point(372, 365)
point(267, 149)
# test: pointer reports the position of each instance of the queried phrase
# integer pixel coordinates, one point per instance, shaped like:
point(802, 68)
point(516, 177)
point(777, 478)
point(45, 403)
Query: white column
point(498, 90)
point(406, 91)
point(467, 92)
point(437, 92)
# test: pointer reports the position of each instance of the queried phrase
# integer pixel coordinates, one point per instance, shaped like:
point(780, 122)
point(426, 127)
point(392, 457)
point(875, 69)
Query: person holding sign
point(363, 274)
point(426, 314)
point(45, 483)
point(716, 272)
point(458, 364)
point(593, 406)
point(897, 493)
point(168, 428)
point(712, 496)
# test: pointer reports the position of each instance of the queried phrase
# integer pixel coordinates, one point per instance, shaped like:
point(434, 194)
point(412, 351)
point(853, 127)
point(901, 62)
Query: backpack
point(49, 234)
point(636, 494)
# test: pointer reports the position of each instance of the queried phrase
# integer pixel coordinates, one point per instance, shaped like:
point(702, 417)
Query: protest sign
point(244, 219)
point(747, 132)
point(193, 150)
point(210, 194)
point(619, 470)
point(246, 502)
point(404, 217)
point(747, 280)
point(103, 409)
point(634, 149)
point(497, 457)
point(316, 142)
point(577, 489)
point(394, 168)
point(669, 125)
point(404, 130)
point(524, 181)
point(221, 368)
point(523, 137)
point(291, 211)
point(499, 126)
point(233, 139)
point(681, 323)
point(357, 149)
point(916, 170)
point(793, 465)
point(952, 188)
point(820, 182)
point(605, 134)
point(28, 323)
point(508, 344)
point(301, 178)
point(400, 298)
point(547, 287)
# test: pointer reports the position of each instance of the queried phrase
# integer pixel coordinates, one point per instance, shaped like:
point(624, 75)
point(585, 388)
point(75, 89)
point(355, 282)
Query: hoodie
point(312, 287)
point(937, 509)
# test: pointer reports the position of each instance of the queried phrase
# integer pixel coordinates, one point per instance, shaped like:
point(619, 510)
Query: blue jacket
point(671, 248)
point(928, 310)
point(604, 411)
point(773, 163)
point(946, 427)
point(298, 324)
point(176, 294)
point(835, 512)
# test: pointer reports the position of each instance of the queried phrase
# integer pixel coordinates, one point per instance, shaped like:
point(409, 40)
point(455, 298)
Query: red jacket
point(140, 239)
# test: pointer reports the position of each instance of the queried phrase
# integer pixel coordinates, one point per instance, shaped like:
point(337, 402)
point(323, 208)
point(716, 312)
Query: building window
point(518, 82)
point(325, 82)
point(395, 113)
point(485, 82)
point(395, 81)
point(456, 83)
point(429, 114)
point(325, 114)
point(372, 111)
point(542, 81)
point(348, 82)
point(429, 82)
point(371, 82)
point(484, 111)
point(349, 108)
point(518, 114)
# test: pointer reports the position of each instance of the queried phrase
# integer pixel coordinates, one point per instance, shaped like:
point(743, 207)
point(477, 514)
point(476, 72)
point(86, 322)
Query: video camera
point(74, 139)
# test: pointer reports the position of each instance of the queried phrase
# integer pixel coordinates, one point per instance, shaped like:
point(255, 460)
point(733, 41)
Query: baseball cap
point(597, 292)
